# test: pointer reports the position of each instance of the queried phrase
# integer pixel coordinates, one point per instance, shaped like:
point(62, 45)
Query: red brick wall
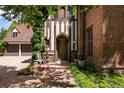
point(113, 46)
point(108, 34)
point(95, 18)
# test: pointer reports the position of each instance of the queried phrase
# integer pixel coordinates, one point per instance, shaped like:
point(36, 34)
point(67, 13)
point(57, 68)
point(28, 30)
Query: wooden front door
point(62, 48)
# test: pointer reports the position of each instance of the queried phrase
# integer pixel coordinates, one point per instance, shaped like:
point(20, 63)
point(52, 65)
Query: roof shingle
point(25, 34)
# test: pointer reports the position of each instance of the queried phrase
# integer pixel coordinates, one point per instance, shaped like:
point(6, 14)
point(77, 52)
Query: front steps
point(55, 67)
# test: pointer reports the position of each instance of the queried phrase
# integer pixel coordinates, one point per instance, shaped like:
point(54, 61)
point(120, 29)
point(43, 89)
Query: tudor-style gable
point(61, 26)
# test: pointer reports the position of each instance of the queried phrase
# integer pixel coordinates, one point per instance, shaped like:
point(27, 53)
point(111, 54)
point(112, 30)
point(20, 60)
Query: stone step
point(55, 66)
point(58, 64)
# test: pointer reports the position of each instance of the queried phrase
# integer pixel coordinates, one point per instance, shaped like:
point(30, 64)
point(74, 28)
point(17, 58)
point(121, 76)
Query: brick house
point(101, 35)
point(19, 41)
point(98, 34)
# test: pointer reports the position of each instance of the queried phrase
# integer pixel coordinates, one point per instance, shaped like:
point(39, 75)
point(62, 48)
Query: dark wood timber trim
point(73, 35)
point(69, 40)
point(65, 26)
point(77, 7)
point(50, 32)
point(47, 28)
point(54, 40)
point(60, 26)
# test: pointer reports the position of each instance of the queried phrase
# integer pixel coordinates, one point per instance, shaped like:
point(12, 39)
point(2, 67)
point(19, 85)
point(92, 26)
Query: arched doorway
point(62, 47)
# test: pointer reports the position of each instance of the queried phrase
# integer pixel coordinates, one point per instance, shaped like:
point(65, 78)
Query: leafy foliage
point(12, 26)
point(26, 71)
point(2, 33)
point(87, 79)
point(34, 55)
point(2, 47)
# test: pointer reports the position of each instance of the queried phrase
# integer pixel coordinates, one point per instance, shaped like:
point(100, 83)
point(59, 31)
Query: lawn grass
point(88, 79)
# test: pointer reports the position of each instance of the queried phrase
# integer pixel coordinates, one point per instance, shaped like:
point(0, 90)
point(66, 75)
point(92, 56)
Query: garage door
point(12, 50)
point(26, 50)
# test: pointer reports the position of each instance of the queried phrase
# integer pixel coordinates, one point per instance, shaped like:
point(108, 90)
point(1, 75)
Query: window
point(90, 41)
point(15, 34)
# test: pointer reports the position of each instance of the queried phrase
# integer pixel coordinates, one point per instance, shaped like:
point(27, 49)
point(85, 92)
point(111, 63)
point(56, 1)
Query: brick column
point(80, 34)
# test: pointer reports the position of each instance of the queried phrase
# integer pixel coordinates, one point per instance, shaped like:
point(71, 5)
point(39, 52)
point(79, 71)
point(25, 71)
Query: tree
point(33, 16)
point(12, 26)
point(2, 47)
point(2, 33)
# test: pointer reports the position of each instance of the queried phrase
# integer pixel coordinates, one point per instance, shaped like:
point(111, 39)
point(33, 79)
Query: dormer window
point(15, 34)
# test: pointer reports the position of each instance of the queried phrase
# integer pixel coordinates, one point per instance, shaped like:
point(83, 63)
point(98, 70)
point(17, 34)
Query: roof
point(25, 34)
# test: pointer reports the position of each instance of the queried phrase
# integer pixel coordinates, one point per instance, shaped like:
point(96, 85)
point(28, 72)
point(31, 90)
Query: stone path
point(57, 78)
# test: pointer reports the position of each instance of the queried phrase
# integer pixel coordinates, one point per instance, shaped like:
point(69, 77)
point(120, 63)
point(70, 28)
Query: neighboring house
point(19, 41)
point(61, 35)
point(101, 35)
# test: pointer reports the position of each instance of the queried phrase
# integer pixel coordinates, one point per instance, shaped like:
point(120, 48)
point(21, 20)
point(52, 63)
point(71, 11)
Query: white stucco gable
point(15, 30)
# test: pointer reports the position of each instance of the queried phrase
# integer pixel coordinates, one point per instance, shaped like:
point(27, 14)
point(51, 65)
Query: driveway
point(9, 67)
point(13, 63)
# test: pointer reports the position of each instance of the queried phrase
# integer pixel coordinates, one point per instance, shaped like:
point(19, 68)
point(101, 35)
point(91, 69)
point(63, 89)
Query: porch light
point(46, 41)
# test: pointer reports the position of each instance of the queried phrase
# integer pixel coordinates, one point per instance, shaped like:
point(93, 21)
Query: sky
point(3, 22)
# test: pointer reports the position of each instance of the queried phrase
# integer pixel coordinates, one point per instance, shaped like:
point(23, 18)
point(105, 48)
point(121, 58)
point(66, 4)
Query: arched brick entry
point(62, 47)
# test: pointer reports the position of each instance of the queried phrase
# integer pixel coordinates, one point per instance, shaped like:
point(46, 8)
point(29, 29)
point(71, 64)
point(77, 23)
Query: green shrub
point(92, 65)
point(2, 47)
point(26, 71)
point(89, 79)
point(34, 55)
point(89, 64)
point(113, 72)
point(81, 79)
